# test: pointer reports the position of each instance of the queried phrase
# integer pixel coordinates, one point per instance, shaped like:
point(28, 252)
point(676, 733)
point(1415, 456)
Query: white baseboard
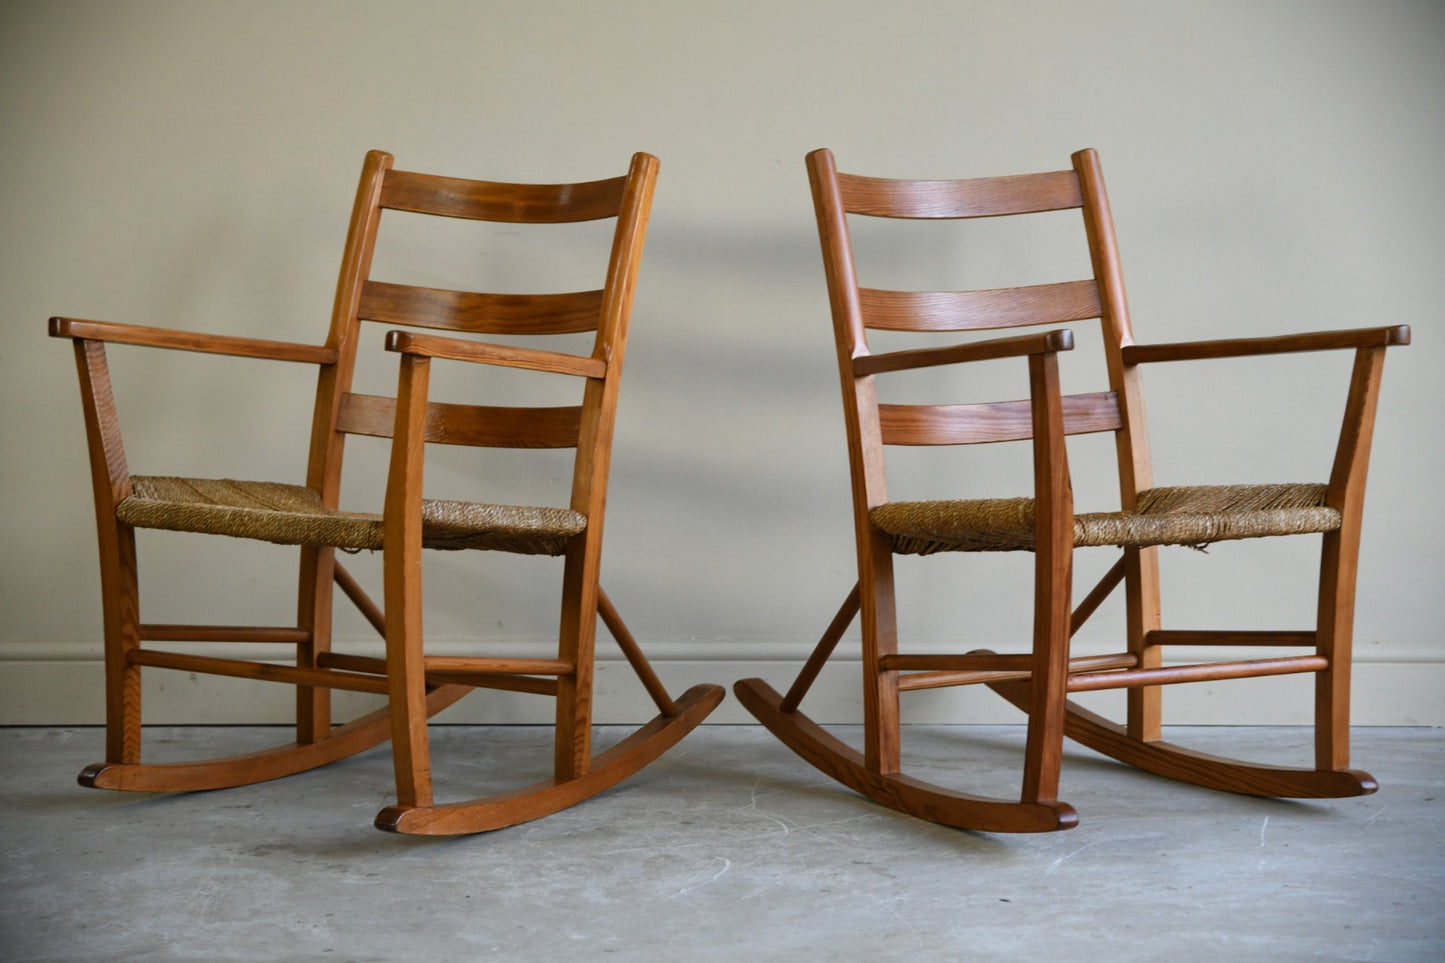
point(63, 685)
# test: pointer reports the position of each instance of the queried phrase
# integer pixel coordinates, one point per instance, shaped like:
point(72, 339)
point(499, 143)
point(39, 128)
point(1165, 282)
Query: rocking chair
point(1039, 682)
point(416, 685)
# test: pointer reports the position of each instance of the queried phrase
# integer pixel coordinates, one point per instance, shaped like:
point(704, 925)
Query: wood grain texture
point(401, 579)
point(972, 197)
point(947, 678)
point(479, 312)
point(469, 678)
point(532, 359)
point(363, 602)
point(189, 341)
point(1339, 559)
point(119, 586)
point(260, 671)
point(223, 633)
point(1053, 584)
point(506, 203)
point(973, 310)
point(471, 425)
point(1213, 672)
point(1279, 344)
point(632, 651)
point(992, 421)
point(990, 350)
point(1229, 637)
point(818, 658)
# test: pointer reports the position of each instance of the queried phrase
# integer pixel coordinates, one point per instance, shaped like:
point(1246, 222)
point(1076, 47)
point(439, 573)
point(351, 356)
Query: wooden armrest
point(1240, 347)
point(189, 341)
point(456, 349)
point(1048, 341)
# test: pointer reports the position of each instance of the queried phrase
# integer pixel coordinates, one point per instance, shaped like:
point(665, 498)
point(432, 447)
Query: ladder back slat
point(997, 421)
point(975, 197)
point(482, 426)
point(974, 310)
point(508, 203)
point(478, 312)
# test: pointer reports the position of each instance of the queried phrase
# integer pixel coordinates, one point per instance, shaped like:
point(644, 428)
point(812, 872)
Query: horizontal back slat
point(477, 425)
point(478, 312)
point(510, 203)
point(972, 310)
point(976, 197)
point(998, 421)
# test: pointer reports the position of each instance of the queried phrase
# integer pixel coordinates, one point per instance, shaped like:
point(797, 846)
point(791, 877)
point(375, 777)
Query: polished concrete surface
point(729, 848)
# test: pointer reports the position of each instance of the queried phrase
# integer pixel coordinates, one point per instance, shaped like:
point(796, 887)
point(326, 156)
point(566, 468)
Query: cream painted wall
point(1274, 166)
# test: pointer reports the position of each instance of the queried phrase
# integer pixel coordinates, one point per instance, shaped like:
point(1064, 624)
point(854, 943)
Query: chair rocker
point(416, 685)
point(1040, 681)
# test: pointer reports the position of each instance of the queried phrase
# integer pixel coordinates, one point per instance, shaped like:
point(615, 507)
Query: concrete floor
point(729, 848)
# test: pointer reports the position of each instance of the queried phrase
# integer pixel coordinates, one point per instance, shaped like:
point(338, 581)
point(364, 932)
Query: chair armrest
point(1241, 347)
point(456, 349)
point(190, 341)
point(1045, 343)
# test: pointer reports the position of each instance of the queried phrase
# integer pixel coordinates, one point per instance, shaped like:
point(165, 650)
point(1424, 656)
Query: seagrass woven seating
point(415, 683)
point(297, 515)
point(1195, 516)
point(1040, 679)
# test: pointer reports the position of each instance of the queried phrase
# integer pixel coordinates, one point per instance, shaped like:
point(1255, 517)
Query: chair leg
point(313, 613)
point(121, 611)
point(1053, 586)
point(577, 637)
point(1334, 641)
point(1141, 589)
point(881, 724)
point(1044, 749)
point(406, 679)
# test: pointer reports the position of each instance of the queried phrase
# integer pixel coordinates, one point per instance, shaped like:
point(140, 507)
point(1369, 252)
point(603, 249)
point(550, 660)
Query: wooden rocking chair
point(417, 685)
point(1039, 682)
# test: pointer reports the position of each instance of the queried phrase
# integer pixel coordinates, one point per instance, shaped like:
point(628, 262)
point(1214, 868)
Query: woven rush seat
point(294, 515)
point(1191, 515)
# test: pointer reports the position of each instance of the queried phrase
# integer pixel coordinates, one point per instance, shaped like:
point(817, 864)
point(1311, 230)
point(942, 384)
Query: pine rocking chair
point(1039, 682)
point(416, 685)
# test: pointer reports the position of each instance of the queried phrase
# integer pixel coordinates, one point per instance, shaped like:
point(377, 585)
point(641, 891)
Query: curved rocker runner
point(607, 769)
point(895, 790)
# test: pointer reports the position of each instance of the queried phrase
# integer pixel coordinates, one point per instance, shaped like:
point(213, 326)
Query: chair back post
point(882, 749)
point(1340, 553)
point(323, 471)
point(581, 589)
point(1135, 473)
point(1141, 565)
point(599, 406)
point(860, 393)
point(323, 468)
